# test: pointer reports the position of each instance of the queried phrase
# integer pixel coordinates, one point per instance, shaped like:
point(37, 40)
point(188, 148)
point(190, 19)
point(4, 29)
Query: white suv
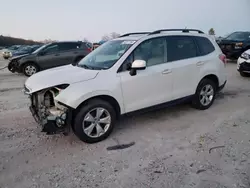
point(133, 72)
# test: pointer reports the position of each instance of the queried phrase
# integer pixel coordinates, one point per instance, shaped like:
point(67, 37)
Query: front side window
point(180, 47)
point(106, 55)
point(51, 49)
point(152, 51)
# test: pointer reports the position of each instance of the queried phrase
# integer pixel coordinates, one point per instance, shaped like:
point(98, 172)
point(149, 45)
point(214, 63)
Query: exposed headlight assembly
point(245, 56)
point(238, 45)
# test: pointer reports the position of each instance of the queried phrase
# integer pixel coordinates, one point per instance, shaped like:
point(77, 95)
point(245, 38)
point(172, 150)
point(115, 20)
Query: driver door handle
point(167, 71)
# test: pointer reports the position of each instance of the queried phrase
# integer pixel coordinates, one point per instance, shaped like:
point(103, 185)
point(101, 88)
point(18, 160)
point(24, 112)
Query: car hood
point(227, 41)
point(18, 56)
point(68, 74)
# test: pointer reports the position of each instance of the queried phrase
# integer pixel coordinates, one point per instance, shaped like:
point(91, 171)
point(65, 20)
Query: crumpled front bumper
point(53, 124)
point(13, 66)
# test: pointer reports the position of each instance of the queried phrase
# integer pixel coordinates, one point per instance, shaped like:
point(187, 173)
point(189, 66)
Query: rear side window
point(205, 46)
point(180, 47)
point(68, 46)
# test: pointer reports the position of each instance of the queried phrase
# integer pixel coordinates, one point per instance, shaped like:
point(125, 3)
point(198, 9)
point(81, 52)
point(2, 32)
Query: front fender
point(76, 94)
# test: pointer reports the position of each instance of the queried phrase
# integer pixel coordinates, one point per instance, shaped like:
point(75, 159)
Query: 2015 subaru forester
point(133, 72)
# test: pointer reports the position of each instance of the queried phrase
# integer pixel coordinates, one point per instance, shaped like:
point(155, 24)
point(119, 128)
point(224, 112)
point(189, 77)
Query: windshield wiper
point(86, 67)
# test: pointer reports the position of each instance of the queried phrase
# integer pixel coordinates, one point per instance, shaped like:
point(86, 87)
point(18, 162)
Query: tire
point(10, 67)
point(201, 93)
point(86, 124)
point(32, 69)
point(243, 74)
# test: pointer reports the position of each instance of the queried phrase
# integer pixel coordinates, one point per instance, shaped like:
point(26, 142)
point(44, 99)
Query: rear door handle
point(167, 71)
point(200, 63)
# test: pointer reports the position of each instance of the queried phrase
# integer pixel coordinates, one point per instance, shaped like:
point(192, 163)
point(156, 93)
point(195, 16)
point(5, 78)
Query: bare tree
point(211, 31)
point(111, 36)
point(114, 35)
point(105, 37)
point(85, 40)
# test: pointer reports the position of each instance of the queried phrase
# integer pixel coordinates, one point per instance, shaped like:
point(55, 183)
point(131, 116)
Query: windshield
point(106, 55)
point(239, 36)
point(42, 47)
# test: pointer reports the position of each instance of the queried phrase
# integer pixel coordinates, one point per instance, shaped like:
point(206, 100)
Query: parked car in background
point(95, 45)
point(7, 53)
point(130, 73)
point(243, 64)
point(235, 44)
point(49, 56)
point(25, 50)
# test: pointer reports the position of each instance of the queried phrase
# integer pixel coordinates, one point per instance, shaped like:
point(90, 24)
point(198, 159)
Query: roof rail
point(183, 30)
point(139, 33)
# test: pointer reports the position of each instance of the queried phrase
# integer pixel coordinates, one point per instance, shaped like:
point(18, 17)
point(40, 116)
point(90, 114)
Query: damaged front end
point(48, 113)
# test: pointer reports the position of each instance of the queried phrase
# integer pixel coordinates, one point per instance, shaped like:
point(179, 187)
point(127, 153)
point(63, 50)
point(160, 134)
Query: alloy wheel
point(96, 122)
point(206, 95)
point(30, 70)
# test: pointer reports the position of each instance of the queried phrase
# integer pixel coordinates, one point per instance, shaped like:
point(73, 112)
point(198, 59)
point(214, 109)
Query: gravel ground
point(178, 147)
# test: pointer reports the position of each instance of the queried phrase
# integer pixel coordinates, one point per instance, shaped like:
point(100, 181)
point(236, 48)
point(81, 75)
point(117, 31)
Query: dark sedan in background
point(235, 44)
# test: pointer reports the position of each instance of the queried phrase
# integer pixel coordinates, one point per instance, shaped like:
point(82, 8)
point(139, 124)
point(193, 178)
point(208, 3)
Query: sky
point(91, 19)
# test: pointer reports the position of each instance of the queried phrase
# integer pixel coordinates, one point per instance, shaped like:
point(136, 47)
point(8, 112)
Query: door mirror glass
point(139, 65)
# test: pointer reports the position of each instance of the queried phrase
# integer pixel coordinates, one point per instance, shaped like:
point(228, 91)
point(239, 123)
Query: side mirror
point(137, 65)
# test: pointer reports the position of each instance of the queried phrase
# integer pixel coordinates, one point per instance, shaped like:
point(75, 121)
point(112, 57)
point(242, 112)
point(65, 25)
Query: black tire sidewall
point(77, 123)
point(196, 100)
point(29, 64)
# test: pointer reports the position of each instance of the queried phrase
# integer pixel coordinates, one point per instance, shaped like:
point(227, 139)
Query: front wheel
point(205, 95)
point(29, 69)
point(95, 121)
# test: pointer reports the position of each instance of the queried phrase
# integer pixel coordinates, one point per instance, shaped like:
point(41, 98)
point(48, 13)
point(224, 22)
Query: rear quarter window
point(205, 46)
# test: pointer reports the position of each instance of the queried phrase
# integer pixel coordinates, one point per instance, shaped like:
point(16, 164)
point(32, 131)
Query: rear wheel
point(95, 121)
point(205, 94)
point(29, 69)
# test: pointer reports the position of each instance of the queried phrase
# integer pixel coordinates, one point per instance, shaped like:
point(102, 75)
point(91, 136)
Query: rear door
point(182, 54)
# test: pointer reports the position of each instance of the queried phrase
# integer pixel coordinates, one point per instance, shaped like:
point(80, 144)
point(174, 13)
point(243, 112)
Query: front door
point(49, 57)
point(68, 52)
point(151, 86)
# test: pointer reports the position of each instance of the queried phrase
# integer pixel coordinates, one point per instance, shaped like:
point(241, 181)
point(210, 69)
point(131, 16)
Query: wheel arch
point(212, 77)
point(106, 98)
point(29, 62)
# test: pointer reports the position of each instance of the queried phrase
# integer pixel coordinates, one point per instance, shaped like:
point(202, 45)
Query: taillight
point(89, 49)
point(223, 58)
